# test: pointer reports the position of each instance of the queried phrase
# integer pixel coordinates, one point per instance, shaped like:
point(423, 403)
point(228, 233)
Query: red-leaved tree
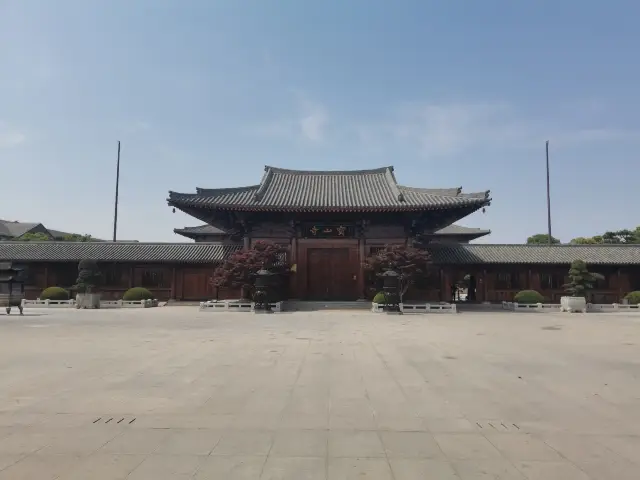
point(410, 262)
point(240, 268)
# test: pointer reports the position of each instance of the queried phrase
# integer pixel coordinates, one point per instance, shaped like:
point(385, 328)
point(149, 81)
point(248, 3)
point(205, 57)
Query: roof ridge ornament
point(264, 184)
point(393, 184)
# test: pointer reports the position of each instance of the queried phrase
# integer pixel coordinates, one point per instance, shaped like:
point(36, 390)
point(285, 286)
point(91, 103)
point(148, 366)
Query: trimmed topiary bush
point(54, 293)
point(380, 298)
point(528, 296)
point(633, 297)
point(137, 293)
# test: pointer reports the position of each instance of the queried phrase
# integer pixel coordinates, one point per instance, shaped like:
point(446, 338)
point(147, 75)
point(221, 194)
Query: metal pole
point(115, 213)
point(548, 197)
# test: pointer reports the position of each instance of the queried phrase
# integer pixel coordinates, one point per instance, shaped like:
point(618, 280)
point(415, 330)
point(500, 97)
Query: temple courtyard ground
point(172, 393)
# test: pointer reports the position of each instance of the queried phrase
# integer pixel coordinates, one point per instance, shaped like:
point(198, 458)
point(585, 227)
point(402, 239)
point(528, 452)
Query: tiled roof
point(15, 229)
point(303, 190)
point(466, 254)
point(455, 254)
point(199, 230)
point(450, 230)
point(460, 230)
point(115, 252)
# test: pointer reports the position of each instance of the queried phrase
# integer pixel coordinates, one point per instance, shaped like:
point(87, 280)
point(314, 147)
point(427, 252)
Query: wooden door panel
point(195, 286)
point(341, 285)
point(319, 273)
point(330, 274)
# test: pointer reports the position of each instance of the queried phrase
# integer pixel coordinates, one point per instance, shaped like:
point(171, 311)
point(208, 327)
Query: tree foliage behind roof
point(617, 237)
point(541, 239)
point(35, 237)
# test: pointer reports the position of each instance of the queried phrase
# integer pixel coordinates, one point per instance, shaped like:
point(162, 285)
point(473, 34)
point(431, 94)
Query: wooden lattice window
point(552, 281)
point(507, 281)
point(153, 278)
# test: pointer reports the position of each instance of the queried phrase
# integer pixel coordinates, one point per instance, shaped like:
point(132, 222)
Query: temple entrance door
point(195, 286)
point(329, 274)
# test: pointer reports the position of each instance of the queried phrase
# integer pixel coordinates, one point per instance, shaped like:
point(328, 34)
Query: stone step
point(182, 303)
point(308, 306)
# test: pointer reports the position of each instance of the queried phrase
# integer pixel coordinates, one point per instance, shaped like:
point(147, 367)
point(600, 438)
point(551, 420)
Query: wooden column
point(293, 277)
point(361, 256)
point(446, 285)
point(247, 242)
point(46, 276)
point(173, 283)
point(440, 294)
point(131, 274)
point(484, 285)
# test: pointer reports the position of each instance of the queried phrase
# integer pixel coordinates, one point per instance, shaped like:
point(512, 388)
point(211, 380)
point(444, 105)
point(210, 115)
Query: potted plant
point(89, 279)
point(580, 282)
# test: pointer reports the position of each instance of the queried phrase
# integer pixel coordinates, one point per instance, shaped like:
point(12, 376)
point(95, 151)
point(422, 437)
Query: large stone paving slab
point(172, 393)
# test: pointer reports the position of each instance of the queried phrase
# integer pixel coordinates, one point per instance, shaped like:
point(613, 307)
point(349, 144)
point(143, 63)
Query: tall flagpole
point(115, 212)
point(548, 197)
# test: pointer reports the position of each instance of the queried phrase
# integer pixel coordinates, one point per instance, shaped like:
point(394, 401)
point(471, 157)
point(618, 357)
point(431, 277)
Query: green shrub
point(528, 296)
point(633, 297)
point(54, 293)
point(137, 293)
point(380, 298)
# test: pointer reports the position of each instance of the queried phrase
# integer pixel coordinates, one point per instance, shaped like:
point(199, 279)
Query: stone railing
point(419, 308)
point(235, 306)
point(612, 307)
point(531, 307)
point(103, 303)
point(48, 303)
point(128, 303)
point(554, 307)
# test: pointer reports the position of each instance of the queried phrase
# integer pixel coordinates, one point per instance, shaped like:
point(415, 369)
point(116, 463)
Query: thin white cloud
point(313, 124)
point(449, 129)
point(442, 130)
point(308, 122)
point(136, 127)
point(11, 138)
point(591, 135)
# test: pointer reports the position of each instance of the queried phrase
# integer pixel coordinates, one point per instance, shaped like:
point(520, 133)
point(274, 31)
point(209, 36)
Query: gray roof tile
point(466, 254)
point(450, 230)
point(200, 230)
point(460, 230)
point(13, 229)
point(300, 190)
point(115, 252)
point(457, 254)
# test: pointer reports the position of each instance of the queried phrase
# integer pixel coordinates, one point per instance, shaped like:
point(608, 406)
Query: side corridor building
point(329, 221)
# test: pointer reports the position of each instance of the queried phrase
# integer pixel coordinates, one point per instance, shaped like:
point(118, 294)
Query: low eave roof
point(308, 190)
point(460, 231)
point(201, 230)
point(478, 254)
point(115, 252)
point(443, 254)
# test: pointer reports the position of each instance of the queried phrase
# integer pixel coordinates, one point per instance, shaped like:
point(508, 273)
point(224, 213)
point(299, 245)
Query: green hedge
point(633, 297)
point(528, 296)
point(54, 293)
point(380, 298)
point(137, 293)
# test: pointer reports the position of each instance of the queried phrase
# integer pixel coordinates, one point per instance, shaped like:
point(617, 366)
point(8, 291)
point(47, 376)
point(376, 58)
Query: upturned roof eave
point(478, 203)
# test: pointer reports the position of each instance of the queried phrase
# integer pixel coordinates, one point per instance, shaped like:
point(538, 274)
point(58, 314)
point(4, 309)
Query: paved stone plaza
point(172, 393)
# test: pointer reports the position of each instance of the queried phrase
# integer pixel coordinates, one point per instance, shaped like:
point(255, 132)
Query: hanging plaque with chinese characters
point(329, 231)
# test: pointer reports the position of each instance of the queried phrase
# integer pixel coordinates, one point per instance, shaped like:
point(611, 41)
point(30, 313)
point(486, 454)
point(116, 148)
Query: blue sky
point(205, 93)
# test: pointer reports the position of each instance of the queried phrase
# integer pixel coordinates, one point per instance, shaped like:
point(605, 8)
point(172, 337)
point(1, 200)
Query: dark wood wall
point(165, 281)
point(494, 283)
